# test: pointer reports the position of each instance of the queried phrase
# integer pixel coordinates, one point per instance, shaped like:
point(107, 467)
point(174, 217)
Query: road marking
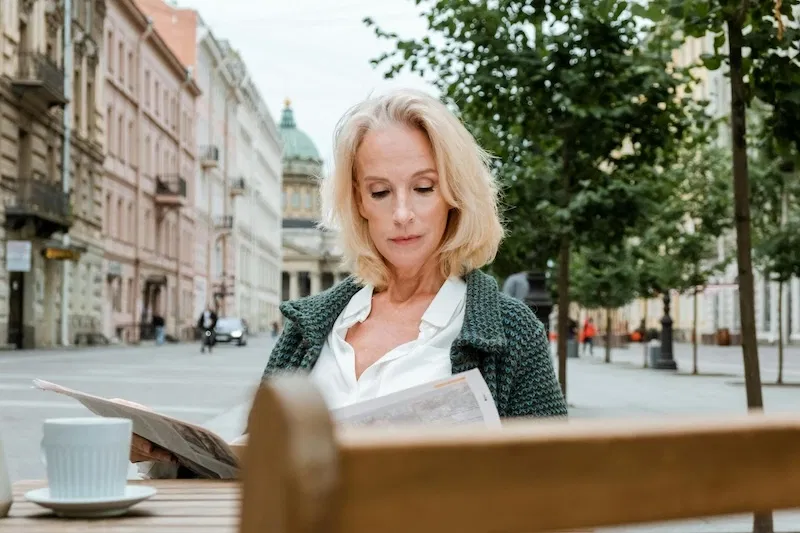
point(30, 404)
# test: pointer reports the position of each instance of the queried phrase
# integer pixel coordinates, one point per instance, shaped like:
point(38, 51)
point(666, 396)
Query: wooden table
point(185, 505)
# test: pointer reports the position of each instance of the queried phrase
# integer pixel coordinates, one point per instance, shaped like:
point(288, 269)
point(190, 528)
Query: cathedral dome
point(297, 145)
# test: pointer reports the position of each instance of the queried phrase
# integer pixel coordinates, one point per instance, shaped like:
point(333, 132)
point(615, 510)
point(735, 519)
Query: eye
point(378, 194)
point(424, 190)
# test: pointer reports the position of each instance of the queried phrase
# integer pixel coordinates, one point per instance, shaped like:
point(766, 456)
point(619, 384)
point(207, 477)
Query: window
point(120, 221)
point(158, 109)
point(147, 88)
point(108, 220)
point(295, 199)
point(308, 200)
point(148, 159)
point(131, 307)
point(90, 109)
point(110, 130)
point(121, 140)
point(131, 222)
point(133, 143)
point(110, 51)
point(148, 231)
point(121, 59)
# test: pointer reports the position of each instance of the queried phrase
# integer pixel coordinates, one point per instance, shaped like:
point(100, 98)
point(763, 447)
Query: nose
point(403, 213)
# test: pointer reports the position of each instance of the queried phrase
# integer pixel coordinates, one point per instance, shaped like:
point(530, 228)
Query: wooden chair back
point(303, 475)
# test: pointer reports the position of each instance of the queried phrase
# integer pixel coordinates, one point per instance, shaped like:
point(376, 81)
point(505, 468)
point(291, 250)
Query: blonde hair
point(473, 231)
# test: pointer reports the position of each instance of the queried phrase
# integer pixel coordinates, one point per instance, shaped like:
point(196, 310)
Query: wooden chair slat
point(530, 476)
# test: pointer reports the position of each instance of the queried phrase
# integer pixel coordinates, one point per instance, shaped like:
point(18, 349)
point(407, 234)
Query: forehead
point(392, 150)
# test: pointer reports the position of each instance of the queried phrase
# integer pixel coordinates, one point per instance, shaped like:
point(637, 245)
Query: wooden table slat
point(178, 506)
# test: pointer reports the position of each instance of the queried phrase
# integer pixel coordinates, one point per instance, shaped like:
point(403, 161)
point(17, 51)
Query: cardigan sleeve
point(535, 390)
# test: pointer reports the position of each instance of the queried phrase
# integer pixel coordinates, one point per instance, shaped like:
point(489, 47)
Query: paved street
point(176, 380)
point(215, 390)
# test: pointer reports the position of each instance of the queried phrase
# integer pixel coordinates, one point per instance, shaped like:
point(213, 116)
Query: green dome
point(296, 144)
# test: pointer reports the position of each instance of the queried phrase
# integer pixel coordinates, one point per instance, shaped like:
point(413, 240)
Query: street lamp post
point(667, 359)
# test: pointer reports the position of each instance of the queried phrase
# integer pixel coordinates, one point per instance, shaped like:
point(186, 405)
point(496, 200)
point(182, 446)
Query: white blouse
point(414, 363)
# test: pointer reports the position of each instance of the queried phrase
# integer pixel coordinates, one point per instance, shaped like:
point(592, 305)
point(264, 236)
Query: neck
point(402, 286)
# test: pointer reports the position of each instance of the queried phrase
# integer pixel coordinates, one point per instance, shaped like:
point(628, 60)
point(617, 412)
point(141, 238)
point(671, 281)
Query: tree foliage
point(678, 247)
point(603, 277)
point(573, 97)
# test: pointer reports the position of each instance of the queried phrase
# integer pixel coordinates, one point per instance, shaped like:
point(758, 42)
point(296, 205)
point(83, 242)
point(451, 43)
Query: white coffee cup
point(86, 458)
point(6, 497)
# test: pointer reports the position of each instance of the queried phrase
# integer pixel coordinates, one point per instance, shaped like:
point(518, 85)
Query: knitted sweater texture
point(500, 336)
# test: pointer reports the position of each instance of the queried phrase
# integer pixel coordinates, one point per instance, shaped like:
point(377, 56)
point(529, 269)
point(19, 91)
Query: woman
point(416, 209)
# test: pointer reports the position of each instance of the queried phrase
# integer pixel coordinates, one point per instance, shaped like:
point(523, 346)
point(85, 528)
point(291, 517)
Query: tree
point(603, 278)
point(770, 72)
point(774, 189)
point(579, 83)
point(693, 219)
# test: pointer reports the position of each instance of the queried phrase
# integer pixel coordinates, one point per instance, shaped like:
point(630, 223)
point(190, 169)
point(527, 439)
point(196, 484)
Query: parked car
point(231, 329)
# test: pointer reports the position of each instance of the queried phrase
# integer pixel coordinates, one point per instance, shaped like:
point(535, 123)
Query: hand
point(141, 448)
point(144, 450)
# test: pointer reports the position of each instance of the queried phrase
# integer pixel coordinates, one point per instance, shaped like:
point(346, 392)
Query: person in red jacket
point(589, 331)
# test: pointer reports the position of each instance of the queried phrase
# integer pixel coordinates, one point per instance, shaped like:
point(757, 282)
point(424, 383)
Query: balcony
point(209, 157)
point(42, 204)
point(170, 191)
point(238, 187)
point(40, 79)
point(223, 223)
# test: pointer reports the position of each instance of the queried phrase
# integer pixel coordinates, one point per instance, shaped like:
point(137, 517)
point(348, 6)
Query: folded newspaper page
point(196, 448)
point(459, 399)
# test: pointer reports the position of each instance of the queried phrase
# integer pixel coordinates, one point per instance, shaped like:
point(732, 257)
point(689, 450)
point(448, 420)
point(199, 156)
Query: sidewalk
point(623, 390)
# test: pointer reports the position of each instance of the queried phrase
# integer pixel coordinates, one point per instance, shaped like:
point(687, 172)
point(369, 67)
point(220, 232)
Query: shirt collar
point(358, 307)
point(446, 303)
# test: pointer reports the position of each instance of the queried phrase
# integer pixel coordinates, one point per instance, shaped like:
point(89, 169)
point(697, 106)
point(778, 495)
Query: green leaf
point(711, 61)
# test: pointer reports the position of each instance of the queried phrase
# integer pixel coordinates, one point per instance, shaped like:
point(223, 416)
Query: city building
point(149, 190)
point(255, 211)
point(35, 163)
point(238, 179)
point(312, 261)
point(215, 135)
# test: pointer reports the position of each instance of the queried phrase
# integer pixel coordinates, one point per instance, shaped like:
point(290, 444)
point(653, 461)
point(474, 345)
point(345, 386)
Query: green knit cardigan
point(500, 336)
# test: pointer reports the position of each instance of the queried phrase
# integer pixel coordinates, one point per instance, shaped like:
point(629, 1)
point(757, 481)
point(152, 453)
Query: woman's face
point(399, 196)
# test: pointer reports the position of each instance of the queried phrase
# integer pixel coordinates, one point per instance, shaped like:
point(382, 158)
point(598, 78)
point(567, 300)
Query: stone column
point(316, 282)
point(294, 286)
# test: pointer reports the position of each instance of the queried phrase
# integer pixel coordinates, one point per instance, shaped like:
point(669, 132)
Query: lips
point(408, 239)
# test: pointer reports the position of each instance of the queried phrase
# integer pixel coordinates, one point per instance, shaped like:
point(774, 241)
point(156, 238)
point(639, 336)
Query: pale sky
point(315, 52)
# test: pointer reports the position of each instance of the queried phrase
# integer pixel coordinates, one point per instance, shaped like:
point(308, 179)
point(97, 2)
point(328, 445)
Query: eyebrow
point(416, 174)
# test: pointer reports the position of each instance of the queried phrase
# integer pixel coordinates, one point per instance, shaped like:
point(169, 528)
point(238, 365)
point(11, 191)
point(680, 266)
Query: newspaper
point(459, 399)
point(196, 448)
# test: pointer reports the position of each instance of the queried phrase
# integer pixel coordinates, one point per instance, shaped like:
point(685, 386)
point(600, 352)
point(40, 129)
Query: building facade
point(37, 211)
point(718, 305)
point(312, 260)
point(254, 191)
point(150, 107)
point(215, 135)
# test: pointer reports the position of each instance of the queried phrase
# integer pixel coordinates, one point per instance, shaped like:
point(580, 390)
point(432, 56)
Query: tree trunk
point(780, 332)
point(608, 335)
point(762, 522)
point(563, 311)
point(694, 335)
point(644, 333)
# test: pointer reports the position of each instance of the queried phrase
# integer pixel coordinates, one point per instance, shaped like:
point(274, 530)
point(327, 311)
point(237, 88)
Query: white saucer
point(92, 507)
